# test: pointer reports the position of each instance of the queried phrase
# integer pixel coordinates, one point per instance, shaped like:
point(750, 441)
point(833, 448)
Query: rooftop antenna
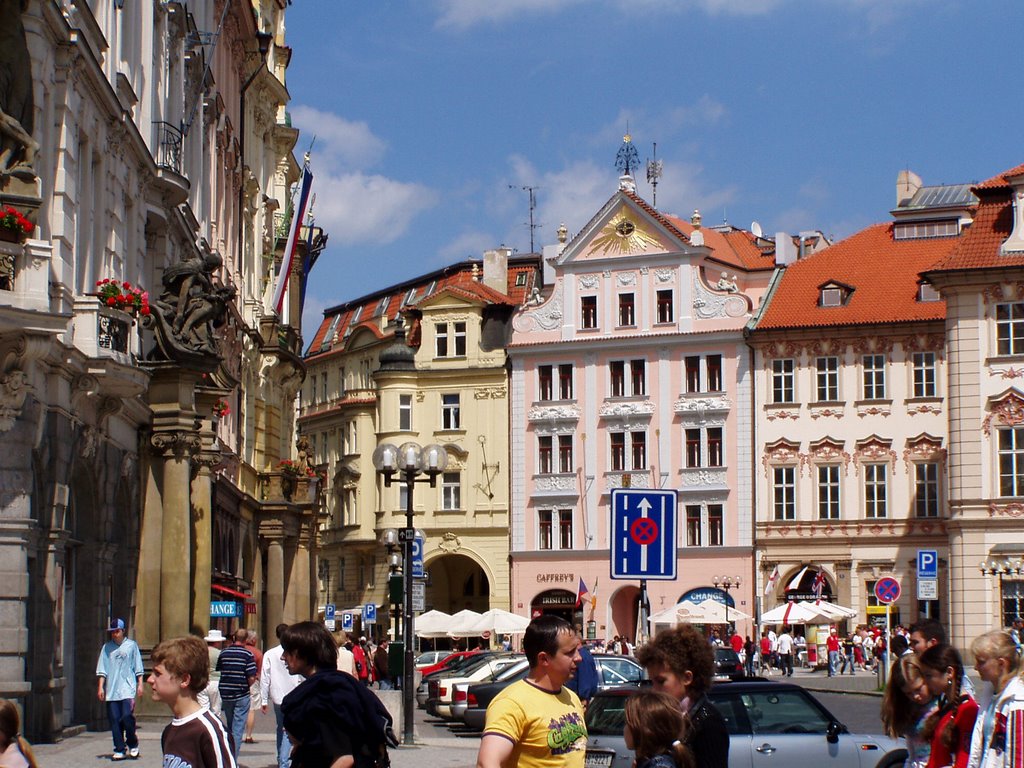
point(654, 170)
point(533, 206)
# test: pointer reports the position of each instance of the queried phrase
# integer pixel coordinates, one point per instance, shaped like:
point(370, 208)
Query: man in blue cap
point(119, 672)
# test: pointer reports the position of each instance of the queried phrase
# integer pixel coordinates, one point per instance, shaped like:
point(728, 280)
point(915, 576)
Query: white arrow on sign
point(645, 511)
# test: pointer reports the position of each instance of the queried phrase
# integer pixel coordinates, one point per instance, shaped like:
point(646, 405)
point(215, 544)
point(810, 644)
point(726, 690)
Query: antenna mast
point(533, 206)
point(654, 169)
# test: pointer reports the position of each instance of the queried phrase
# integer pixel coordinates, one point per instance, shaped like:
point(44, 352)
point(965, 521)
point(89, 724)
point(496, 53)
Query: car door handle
point(766, 749)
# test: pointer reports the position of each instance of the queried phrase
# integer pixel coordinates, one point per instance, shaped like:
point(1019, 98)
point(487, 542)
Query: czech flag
point(582, 594)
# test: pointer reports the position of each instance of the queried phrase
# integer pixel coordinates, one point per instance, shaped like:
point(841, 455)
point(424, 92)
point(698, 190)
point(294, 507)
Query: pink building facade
point(631, 369)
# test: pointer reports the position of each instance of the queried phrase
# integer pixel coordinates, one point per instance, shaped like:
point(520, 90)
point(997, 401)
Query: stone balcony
point(111, 340)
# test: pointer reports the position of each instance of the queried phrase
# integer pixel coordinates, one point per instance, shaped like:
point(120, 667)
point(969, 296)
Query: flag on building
point(582, 594)
point(769, 586)
point(819, 584)
point(287, 259)
point(795, 581)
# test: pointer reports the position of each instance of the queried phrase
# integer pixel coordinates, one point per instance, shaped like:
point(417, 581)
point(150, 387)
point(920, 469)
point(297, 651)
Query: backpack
point(337, 697)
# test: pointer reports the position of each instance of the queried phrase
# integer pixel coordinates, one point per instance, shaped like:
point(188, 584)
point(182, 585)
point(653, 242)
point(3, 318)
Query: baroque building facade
point(441, 379)
point(852, 410)
point(632, 369)
point(142, 478)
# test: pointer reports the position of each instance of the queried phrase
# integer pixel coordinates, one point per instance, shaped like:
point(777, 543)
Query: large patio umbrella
point(793, 613)
point(718, 613)
point(432, 621)
point(677, 613)
point(456, 622)
point(496, 620)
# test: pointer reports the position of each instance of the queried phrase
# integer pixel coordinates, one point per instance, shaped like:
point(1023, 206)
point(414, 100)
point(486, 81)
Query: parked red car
point(446, 662)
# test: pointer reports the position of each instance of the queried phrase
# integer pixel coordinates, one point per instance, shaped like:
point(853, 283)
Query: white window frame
point(1009, 328)
point(784, 505)
point(451, 416)
point(876, 491)
point(405, 413)
point(827, 378)
point(873, 376)
point(451, 491)
point(830, 491)
point(784, 380)
point(925, 379)
point(660, 302)
point(1010, 450)
point(927, 489)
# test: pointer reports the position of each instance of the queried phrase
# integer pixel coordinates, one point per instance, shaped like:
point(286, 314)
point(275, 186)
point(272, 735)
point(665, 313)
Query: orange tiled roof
point(993, 222)
point(884, 275)
point(458, 279)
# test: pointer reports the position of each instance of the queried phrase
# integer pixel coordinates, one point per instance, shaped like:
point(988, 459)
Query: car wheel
point(893, 759)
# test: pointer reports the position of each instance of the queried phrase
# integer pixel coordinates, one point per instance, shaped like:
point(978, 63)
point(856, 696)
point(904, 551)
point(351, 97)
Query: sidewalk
point(868, 683)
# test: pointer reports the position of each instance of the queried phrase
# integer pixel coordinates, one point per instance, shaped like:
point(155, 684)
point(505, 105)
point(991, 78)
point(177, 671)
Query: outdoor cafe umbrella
point(432, 621)
point(719, 613)
point(445, 628)
point(805, 612)
point(496, 620)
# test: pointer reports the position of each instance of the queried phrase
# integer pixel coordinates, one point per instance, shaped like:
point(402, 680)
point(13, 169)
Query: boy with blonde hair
point(195, 738)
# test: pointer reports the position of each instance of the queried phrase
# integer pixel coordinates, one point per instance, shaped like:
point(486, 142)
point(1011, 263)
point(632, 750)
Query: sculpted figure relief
point(17, 147)
point(190, 307)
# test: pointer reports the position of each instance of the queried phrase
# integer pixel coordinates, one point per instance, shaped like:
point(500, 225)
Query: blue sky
point(795, 113)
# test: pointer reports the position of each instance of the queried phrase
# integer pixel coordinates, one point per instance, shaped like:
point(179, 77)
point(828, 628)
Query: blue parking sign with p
point(369, 613)
point(417, 557)
point(346, 622)
point(927, 564)
point(643, 533)
point(329, 612)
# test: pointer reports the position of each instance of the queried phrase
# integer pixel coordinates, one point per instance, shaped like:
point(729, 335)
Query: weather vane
point(627, 158)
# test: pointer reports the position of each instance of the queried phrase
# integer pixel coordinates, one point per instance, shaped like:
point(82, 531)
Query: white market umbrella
point(497, 621)
point(836, 612)
point(719, 613)
point(792, 613)
point(460, 622)
point(432, 621)
point(677, 613)
point(444, 628)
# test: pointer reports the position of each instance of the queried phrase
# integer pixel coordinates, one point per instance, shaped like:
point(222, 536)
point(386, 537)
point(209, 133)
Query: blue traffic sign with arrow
point(643, 534)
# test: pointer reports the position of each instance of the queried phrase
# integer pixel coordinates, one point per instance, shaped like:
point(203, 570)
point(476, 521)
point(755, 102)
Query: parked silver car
point(770, 724)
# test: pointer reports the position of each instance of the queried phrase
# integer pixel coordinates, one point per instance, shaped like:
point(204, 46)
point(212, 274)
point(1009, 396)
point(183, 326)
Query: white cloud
point(340, 144)
point(468, 245)
point(356, 208)
point(462, 14)
point(353, 206)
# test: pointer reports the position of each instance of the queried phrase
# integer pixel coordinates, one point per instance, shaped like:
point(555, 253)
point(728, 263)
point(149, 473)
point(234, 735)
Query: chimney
point(496, 268)
point(785, 251)
point(1014, 244)
point(907, 184)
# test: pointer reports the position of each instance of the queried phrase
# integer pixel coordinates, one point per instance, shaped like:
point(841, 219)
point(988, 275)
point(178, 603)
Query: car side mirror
point(833, 731)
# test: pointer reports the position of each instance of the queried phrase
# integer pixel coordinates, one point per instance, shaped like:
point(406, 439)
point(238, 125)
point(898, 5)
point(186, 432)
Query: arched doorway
point(457, 582)
point(803, 585)
point(557, 602)
point(625, 608)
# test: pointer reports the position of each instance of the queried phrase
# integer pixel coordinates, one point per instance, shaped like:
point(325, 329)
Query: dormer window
point(520, 279)
point(833, 295)
point(925, 292)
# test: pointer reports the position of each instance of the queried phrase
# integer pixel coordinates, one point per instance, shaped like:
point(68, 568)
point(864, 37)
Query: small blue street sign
point(417, 558)
point(369, 613)
point(887, 590)
point(927, 564)
point(224, 609)
point(643, 533)
point(329, 611)
point(346, 622)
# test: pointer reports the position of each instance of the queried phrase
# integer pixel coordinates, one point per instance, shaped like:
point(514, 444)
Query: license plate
point(597, 760)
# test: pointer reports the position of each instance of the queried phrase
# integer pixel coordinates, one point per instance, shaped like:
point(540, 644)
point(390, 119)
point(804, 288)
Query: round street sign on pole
point(644, 530)
point(887, 590)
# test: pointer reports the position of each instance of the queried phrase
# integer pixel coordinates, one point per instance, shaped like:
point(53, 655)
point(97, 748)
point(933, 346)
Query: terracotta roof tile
point(883, 272)
point(999, 181)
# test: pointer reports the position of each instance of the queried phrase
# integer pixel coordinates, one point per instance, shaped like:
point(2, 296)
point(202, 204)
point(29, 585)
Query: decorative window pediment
point(626, 413)
point(874, 450)
point(924, 447)
point(828, 451)
point(1005, 410)
point(782, 451)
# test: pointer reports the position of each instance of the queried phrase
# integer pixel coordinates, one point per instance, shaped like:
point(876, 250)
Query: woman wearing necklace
point(996, 741)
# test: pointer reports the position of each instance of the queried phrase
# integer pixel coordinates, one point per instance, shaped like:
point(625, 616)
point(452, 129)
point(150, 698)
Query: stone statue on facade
point(188, 311)
point(304, 454)
point(17, 147)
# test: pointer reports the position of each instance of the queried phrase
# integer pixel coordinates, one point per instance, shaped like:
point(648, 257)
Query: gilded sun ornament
point(622, 235)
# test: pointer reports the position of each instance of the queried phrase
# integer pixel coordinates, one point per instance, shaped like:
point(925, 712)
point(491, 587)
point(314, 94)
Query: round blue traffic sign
point(887, 590)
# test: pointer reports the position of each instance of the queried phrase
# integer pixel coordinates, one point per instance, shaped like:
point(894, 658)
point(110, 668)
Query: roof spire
point(626, 160)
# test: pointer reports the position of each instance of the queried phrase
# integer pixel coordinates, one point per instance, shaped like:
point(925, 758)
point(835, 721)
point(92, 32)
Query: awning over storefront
point(233, 592)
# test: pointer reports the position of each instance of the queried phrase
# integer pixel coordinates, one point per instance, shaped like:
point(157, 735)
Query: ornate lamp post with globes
point(409, 461)
point(726, 583)
point(1009, 600)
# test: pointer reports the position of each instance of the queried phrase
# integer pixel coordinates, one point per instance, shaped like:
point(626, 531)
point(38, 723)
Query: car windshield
point(620, 672)
point(606, 715)
point(475, 663)
point(519, 667)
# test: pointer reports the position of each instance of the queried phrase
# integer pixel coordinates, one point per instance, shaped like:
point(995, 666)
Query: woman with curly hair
point(949, 729)
point(997, 740)
point(680, 663)
point(656, 731)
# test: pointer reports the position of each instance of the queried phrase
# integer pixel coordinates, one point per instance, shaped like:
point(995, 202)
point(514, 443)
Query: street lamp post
point(1002, 567)
point(408, 461)
point(726, 583)
point(324, 572)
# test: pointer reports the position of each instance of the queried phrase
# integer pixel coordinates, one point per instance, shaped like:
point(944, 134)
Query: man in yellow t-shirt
point(538, 722)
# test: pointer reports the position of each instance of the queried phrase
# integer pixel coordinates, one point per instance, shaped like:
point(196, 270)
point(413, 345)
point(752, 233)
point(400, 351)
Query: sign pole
point(888, 635)
point(641, 628)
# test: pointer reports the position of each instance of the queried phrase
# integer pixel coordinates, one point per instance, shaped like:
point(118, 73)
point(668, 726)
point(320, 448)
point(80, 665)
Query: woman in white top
point(999, 729)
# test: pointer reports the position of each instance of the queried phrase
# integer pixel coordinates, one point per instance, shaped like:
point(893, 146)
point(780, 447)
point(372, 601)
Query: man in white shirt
point(786, 652)
point(275, 684)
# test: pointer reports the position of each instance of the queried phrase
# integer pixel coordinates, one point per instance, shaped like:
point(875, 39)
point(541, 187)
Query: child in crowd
point(949, 729)
point(996, 742)
point(656, 731)
point(906, 707)
point(14, 750)
point(195, 737)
